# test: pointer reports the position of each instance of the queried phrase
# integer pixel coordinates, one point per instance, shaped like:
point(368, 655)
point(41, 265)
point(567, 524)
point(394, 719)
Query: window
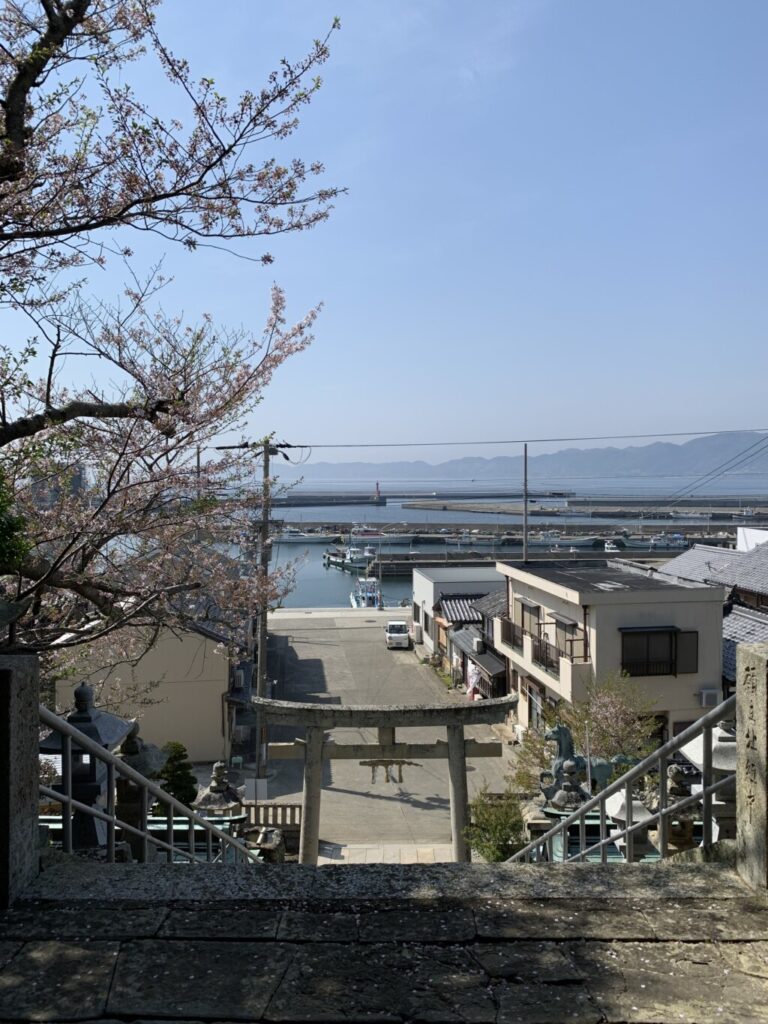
point(648, 652)
point(687, 652)
point(526, 615)
point(661, 651)
point(416, 613)
point(427, 623)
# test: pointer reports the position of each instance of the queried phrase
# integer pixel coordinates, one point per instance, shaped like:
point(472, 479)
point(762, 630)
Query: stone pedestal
point(19, 775)
point(752, 746)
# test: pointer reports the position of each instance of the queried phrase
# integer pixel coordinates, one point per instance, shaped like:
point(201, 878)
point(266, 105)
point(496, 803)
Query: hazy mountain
point(695, 458)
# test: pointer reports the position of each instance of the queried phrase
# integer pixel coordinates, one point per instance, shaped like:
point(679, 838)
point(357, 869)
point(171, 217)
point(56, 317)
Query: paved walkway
point(340, 853)
point(338, 656)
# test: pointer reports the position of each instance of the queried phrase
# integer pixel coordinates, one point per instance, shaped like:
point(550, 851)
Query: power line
point(532, 440)
point(725, 467)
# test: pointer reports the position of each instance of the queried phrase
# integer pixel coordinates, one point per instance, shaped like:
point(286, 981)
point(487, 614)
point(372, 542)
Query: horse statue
point(599, 769)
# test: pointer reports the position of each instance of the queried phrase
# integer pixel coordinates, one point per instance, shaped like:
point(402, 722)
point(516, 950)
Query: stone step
point(385, 943)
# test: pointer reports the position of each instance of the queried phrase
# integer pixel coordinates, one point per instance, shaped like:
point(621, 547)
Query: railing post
point(663, 818)
point(66, 785)
point(706, 782)
point(752, 749)
point(19, 775)
point(629, 841)
point(111, 812)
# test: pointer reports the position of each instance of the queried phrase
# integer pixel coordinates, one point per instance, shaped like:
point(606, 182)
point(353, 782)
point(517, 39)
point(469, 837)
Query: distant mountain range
point(738, 453)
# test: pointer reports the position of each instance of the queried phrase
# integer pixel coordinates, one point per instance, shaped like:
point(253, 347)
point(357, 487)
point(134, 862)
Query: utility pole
point(261, 652)
point(525, 502)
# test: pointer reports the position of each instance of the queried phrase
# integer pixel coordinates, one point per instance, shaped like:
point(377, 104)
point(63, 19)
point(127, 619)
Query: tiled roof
point(747, 570)
point(742, 626)
point(704, 564)
point(463, 638)
point(458, 607)
point(751, 571)
point(492, 605)
point(486, 660)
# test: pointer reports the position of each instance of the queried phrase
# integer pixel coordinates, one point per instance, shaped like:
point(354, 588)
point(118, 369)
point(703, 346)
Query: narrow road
point(339, 657)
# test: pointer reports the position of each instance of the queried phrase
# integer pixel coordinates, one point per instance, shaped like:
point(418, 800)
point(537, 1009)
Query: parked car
point(397, 635)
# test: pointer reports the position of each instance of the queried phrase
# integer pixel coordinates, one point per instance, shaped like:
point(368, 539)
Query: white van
point(397, 635)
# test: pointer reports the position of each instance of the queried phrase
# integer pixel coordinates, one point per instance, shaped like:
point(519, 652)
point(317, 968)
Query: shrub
point(177, 777)
point(497, 829)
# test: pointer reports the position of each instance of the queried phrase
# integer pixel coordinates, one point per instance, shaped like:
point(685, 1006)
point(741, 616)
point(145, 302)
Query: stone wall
point(19, 774)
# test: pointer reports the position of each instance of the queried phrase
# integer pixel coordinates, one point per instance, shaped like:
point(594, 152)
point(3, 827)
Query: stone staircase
point(541, 944)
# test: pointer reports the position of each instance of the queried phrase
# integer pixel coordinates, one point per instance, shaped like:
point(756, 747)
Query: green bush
point(497, 829)
point(177, 777)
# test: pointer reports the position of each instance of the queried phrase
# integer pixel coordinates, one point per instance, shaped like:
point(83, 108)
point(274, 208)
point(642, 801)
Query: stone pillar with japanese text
point(752, 747)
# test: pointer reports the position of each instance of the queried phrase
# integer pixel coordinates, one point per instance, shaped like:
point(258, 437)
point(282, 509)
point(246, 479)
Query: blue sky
point(556, 222)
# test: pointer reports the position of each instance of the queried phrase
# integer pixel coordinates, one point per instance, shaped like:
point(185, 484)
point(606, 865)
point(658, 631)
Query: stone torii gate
point(317, 718)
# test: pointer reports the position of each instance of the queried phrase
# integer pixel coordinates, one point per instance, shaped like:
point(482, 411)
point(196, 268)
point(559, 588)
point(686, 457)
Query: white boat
point(367, 593)
point(663, 540)
point(611, 547)
point(349, 557)
point(293, 535)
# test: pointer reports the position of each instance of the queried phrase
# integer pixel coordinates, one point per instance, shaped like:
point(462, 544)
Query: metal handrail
point(658, 759)
point(115, 767)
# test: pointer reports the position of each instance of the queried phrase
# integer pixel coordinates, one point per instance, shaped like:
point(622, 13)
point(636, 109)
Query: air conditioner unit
point(478, 644)
point(710, 698)
point(417, 633)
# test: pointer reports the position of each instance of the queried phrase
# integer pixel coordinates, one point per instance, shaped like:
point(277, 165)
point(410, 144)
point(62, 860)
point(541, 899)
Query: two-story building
point(568, 623)
point(431, 585)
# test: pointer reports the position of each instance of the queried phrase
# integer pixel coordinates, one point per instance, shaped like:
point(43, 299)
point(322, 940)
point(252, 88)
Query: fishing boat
point(664, 541)
point(293, 535)
point(349, 557)
point(367, 593)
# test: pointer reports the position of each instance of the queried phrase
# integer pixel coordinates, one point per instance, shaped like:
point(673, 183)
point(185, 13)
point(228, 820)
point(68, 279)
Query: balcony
point(546, 655)
point(512, 634)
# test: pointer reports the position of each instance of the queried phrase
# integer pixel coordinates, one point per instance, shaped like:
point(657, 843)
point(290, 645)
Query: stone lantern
point(89, 774)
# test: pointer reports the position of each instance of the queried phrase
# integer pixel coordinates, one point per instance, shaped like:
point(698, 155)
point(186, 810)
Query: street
point(339, 656)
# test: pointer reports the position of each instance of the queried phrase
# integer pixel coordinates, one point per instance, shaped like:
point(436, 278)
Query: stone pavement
point(338, 656)
point(442, 943)
point(340, 853)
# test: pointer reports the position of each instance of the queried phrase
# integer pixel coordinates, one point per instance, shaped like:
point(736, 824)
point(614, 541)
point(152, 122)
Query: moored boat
point(367, 593)
point(293, 535)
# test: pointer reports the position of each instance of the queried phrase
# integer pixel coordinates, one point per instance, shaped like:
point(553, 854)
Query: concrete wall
point(676, 695)
point(191, 675)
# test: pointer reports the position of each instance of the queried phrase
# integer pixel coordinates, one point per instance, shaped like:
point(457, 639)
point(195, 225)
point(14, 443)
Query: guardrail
point(542, 848)
point(218, 846)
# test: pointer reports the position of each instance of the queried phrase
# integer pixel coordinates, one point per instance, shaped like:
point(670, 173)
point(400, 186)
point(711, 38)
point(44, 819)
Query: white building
point(429, 585)
point(568, 623)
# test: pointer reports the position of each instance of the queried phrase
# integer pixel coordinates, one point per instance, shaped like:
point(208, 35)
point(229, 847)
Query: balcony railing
point(180, 832)
point(512, 634)
point(547, 655)
point(558, 838)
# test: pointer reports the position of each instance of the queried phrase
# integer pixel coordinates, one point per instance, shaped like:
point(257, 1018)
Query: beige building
point(567, 623)
point(186, 676)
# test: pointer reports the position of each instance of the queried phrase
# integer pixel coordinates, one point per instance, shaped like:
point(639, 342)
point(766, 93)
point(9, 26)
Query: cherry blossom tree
point(130, 513)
